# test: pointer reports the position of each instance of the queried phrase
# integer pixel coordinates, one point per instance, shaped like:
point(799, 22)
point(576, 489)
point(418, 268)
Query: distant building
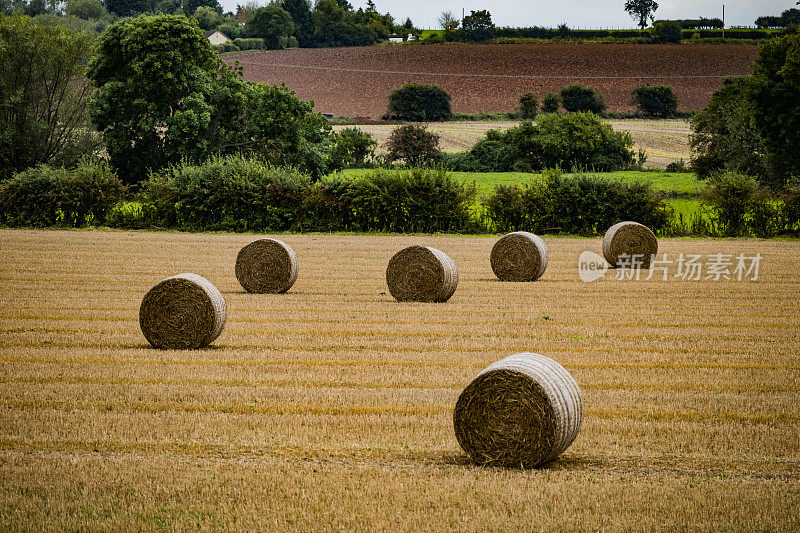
point(395, 38)
point(216, 37)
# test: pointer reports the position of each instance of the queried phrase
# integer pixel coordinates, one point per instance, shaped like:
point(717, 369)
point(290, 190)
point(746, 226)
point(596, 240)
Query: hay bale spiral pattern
point(519, 256)
point(521, 411)
point(182, 312)
point(421, 274)
point(266, 266)
point(629, 238)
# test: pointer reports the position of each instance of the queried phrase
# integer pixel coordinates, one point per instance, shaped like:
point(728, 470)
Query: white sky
point(576, 13)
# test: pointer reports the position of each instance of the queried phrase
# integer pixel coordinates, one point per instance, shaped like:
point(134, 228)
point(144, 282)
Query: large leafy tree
point(775, 93)
point(478, 26)
point(127, 8)
point(43, 92)
point(273, 24)
point(641, 10)
point(190, 6)
point(300, 11)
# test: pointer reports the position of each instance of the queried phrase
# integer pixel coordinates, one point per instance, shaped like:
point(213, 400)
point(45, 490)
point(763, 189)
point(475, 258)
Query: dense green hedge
point(44, 196)
point(583, 205)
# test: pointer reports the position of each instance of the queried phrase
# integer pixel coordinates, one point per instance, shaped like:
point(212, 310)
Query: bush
point(418, 102)
point(657, 100)
point(252, 43)
point(227, 46)
point(551, 103)
point(414, 144)
point(584, 205)
point(579, 140)
point(353, 148)
point(46, 196)
point(577, 97)
point(667, 31)
point(730, 198)
point(528, 105)
point(230, 193)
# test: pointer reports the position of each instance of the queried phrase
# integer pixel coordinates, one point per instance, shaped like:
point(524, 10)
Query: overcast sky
point(576, 13)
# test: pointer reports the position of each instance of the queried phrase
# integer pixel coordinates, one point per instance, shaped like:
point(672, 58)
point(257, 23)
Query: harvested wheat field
point(356, 81)
point(331, 406)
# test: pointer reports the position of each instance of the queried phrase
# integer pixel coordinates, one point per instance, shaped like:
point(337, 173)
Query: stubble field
point(356, 81)
point(330, 407)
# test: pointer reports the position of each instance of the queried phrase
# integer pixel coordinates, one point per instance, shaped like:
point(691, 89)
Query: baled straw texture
point(182, 312)
point(629, 238)
point(521, 411)
point(421, 274)
point(266, 266)
point(519, 256)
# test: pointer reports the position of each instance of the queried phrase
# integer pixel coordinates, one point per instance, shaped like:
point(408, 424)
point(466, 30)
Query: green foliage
point(225, 193)
point(273, 24)
point(413, 144)
point(45, 196)
point(129, 8)
point(207, 17)
point(190, 7)
point(641, 10)
point(584, 205)
point(230, 28)
point(528, 105)
point(655, 100)
point(577, 97)
point(724, 135)
point(667, 31)
point(87, 9)
point(353, 148)
point(43, 94)
point(551, 103)
point(227, 46)
point(250, 44)
point(300, 11)
point(580, 140)
point(774, 93)
point(477, 26)
point(418, 102)
point(731, 197)
point(154, 75)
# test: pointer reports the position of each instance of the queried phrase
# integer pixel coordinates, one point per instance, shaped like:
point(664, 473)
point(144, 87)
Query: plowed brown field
point(487, 78)
point(330, 407)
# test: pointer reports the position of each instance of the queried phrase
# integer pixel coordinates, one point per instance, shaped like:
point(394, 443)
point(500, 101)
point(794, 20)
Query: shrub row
point(584, 205)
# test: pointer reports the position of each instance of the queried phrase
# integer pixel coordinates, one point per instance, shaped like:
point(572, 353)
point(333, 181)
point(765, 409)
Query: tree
point(87, 9)
point(641, 10)
point(656, 100)
point(190, 6)
point(447, 21)
point(43, 93)
point(478, 26)
point(154, 76)
point(207, 17)
point(273, 24)
point(528, 105)
point(413, 144)
point(577, 97)
point(127, 8)
point(300, 11)
point(774, 92)
point(417, 102)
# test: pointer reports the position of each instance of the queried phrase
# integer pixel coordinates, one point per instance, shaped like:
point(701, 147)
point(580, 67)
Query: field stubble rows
point(331, 406)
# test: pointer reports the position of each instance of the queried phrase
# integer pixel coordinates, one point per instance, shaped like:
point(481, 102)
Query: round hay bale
point(521, 411)
point(421, 274)
point(182, 312)
point(629, 238)
point(266, 266)
point(519, 256)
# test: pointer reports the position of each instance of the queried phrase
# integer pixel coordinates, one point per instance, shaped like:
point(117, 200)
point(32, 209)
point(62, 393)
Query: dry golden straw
point(519, 256)
point(521, 411)
point(182, 312)
point(266, 266)
point(421, 274)
point(629, 239)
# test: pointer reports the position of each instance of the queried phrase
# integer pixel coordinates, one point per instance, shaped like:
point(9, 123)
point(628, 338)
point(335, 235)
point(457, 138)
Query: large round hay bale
point(628, 239)
point(266, 266)
point(182, 312)
point(521, 411)
point(519, 256)
point(421, 274)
